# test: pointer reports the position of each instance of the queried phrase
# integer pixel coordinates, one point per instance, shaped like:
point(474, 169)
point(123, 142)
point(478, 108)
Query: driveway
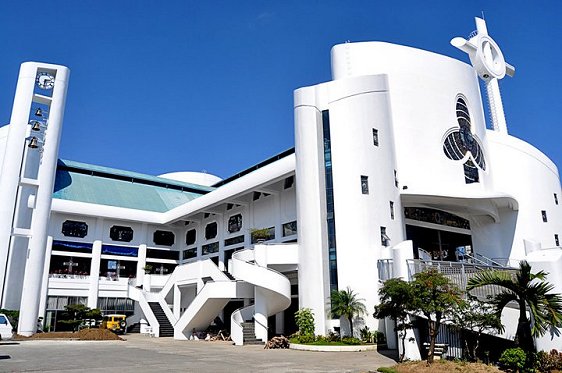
point(144, 354)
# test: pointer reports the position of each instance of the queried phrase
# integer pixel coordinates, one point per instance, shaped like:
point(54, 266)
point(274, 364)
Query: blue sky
point(161, 86)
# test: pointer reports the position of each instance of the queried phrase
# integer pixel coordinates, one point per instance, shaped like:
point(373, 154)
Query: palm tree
point(527, 290)
point(345, 303)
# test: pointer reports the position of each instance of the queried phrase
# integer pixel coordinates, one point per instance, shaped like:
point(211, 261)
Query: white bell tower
point(489, 63)
point(27, 178)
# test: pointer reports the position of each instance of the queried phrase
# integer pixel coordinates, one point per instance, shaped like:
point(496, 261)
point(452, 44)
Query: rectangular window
point(290, 228)
point(544, 218)
point(375, 137)
point(385, 240)
point(289, 182)
point(395, 179)
point(392, 210)
point(210, 248)
point(555, 198)
point(364, 184)
point(556, 241)
point(190, 253)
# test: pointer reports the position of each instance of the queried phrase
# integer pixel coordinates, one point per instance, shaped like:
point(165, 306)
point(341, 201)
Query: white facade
point(397, 133)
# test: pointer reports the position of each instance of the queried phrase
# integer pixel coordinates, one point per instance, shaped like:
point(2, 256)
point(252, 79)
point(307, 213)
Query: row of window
point(267, 234)
point(71, 228)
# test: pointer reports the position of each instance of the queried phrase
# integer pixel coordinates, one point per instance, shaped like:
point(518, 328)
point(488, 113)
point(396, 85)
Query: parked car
point(5, 327)
point(116, 323)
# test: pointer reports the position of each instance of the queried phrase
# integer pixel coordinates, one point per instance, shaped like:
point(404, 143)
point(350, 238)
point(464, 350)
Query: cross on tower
point(489, 63)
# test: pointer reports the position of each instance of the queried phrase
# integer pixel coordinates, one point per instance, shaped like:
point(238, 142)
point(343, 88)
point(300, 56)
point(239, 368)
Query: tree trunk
point(523, 337)
point(350, 326)
point(433, 331)
point(401, 358)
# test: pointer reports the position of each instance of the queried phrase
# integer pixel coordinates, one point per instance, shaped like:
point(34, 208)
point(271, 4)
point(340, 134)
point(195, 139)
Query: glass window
point(164, 238)
point(375, 137)
point(190, 253)
point(162, 254)
point(120, 233)
point(395, 179)
point(264, 234)
point(190, 236)
point(544, 218)
point(392, 210)
point(234, 240)
point(235, 223)
point(289, 182)
point(290, 228)
point(555, 198)
point(556, 241)
point(364, 184)
point(385, 240)
point(210, 248)
point(211, 230)
point(71, 228)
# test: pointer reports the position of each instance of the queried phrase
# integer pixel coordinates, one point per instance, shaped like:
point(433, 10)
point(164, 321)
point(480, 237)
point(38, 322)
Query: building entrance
point(437, 235)
point(440, 244)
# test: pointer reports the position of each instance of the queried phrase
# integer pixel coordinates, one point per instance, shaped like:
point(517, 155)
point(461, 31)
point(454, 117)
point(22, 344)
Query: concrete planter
point(350, 348)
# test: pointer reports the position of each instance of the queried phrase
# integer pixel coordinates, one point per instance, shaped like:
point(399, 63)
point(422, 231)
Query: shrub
point(549, 361)
point(351, 341)
point(379, 337)
point(332, 336)
point(386, 370)
point(513, 359)
point(302, 339)
point(366, 335)
point(304, 319)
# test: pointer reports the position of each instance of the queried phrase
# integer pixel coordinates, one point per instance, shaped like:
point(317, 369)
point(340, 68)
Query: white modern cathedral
point(393, 166)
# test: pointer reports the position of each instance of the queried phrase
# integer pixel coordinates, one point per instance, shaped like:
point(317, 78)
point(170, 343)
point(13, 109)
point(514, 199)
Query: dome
point(199, 178)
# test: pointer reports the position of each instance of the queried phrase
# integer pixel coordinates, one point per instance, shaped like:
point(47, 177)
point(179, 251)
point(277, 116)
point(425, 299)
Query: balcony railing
point(458, 273)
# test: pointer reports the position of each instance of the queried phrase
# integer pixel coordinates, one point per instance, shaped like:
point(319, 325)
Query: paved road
point(144, 354)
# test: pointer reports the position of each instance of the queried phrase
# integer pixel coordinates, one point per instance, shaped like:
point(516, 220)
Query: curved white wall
point(524, 172)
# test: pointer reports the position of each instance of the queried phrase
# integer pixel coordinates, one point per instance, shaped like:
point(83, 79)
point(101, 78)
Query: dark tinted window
point(162, 254)
point(120, 233)
point(235, 223)
point(190, 236)
point(164, 238)
point(71, 228)
point(211, 231)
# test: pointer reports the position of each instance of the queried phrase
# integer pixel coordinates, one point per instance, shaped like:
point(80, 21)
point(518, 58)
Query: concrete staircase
point(248, 329)
point(166, 328)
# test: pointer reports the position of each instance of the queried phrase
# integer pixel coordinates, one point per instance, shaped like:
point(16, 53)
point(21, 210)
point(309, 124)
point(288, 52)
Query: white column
point(280, 323)
point(39, 222)
point(45, 282)
point(260, 316)
point(177, 302)
point(314, 279)
point(142, 277)
point(13, 157)
point(94, 275)
point(400, 254)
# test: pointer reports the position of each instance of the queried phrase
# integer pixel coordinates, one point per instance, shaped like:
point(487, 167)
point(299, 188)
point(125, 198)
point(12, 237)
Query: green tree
point(304, 319)
point(345, 303)
point(435, 297)
point(527, 290)
point(396, 299)
point(473, 318)
point(76, 313)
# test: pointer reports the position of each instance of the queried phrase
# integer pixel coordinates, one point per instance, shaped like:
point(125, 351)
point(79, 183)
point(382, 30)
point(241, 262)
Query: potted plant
point(147, 269)
point(259, 234)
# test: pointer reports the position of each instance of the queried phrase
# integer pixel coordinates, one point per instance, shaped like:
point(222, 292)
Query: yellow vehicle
point(116, 323)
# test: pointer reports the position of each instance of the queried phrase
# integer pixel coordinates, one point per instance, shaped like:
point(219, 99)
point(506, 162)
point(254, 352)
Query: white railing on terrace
point(458, 272)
